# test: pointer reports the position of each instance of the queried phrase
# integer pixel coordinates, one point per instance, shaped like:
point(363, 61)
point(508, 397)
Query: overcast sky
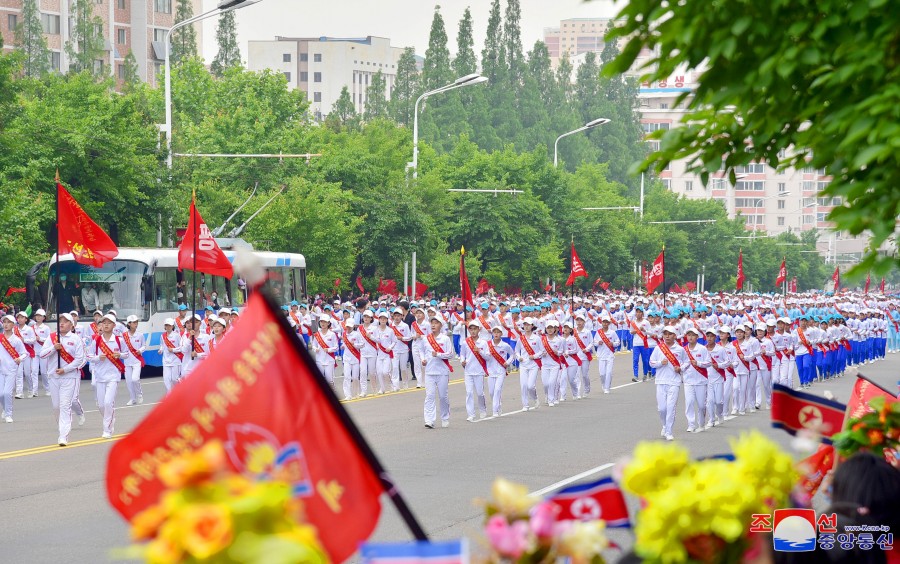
point(405, 22)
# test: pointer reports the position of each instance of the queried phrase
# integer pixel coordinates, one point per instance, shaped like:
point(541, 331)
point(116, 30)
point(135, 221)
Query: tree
point(343, 112)
point(512, 40)
point(31, 42)
point(376, 98)
point(85, 46)
point(132, 77)
point(406, 88)
point(228, 54)
point(184, 40)
point(781, 87)
point(465, 61)
point(564, 76)
point(437, 72)
point(493, 56)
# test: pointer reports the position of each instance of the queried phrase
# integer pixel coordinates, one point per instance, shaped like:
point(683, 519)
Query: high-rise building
point(323, 66)
point(575, 36)
point(138, 26)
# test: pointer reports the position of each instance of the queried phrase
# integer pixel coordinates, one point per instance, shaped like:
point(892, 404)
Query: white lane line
point(501, 415)
point(569, 480)
point(124, 407)
point(624, 385)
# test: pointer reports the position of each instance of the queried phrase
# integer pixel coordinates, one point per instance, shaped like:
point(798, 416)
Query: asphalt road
point(53, 504)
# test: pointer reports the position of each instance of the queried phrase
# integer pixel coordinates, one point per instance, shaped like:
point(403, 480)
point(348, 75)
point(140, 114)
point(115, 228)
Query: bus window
point(167, 298)
point(116, 285)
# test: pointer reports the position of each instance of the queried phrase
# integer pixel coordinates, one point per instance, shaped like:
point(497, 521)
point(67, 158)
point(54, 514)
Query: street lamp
point(589, 125)
point(467, 80)
point(757, 203)
point(223, 7)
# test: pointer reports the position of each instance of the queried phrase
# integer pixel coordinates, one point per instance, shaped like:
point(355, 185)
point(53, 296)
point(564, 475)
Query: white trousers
point(550, 381)
point(133, 381)
point(39, 374)
point(715, 401)
point(764, 391)
point(351, 375)
point(171, 376)
point(399, 367)
point(106, 400)
point(695, 404)
point(528, 384)
point(495, 389)
point(750, 390)
point(586, 378)
point(7, 385)
point(417, 361)
point(475, 393)
point(728, 393)
point(666, 403)
point(571, 376)
point(786, 372)
point(606, 373)
point(23, 369)
point(368, 368)
point(383, 369)
point(62, 396)
point(436, 387)
point(327, 370)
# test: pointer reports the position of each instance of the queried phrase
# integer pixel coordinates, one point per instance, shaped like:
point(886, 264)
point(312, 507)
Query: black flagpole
point(664, 276)
point(387, 482)
point(59, 283)
point(193, 220)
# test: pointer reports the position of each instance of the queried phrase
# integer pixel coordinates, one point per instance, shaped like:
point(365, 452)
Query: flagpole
point(194, 273)
point(325, 388)
point(59, 289)
point(664, 276)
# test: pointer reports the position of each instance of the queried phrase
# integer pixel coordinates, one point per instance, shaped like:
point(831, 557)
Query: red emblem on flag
point(795, 411)
point(589, 502)
point(78, 234)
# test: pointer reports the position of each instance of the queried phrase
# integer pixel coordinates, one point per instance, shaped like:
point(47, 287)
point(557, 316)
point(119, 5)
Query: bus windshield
point(117, 285)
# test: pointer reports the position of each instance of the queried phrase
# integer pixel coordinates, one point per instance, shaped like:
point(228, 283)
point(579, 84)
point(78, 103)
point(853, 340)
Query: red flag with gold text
point(78, 234)
point(578, 270)
point(210, 259)
point(657, 273)
point(260, 398)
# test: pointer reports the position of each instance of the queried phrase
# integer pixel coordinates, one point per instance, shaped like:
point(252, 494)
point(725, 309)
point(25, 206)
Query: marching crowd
point(725, 350)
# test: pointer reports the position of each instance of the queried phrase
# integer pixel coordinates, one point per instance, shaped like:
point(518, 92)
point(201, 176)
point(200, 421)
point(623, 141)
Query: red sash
point(484, 323)
point(699, 330)
point(177, 322)
point(350, 347)
point(846, 344)
point(606, 341)
point(208, 331)
point(133, 350)
point(417, 329)
point(100, 345)
point(439, 349)
point(28, 348)
point(63, 353)
point(551, 353)
point(397, 332)
point(527, 346)
point(95, 330)
point(611, 318)
point(385, 350)
point(639, 333)
point(703, 371)
point(324, 345)
point(296, 320)
point(7, 346)
point(767, 359)
point(168, 343)
point(670, 356)
point(803, 340)
point(496, 354)
point(365, 335)
point(737, 347)
point(714, 363)
point(587, 353)
point(476, 353)
point(197, 346)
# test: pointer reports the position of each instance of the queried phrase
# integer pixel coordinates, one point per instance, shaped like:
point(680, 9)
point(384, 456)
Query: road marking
point(569, 480)
point(624, 385)
point(56, 448)
point(501, 415)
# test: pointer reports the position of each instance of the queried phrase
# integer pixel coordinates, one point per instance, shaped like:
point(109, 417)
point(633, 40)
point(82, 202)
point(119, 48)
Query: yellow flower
point(583, 541)
point(163, 551)
point(205, 529)
point(511, 498)
point(195, 467)
point(146, 524)
point(653, 464)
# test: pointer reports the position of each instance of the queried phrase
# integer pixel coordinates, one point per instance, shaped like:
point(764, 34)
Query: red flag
point(359, 285)
point(465, 289)
point(260, 396)
point(210, 259)
point(792, 286)
point(337, 282)
point(868, 281)
point(589, 502)
point(578, 270)
point(657, 273)
point(78, 234)
point(836, 278)
point(795, 411)
point(10, 291)
point(548, 287)
point(814, 468)
point(740, 273)
point(690, 286)
point(604, 286)
point(882, 286)
point(388, 286)
point(482, 287)
point(782, 273)
point(420, 289)
point(863, 391)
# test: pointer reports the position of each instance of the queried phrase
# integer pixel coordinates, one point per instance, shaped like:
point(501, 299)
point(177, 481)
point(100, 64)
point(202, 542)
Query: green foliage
point(85, 45)
point(406, 88)
point(437, 71)
point(228, 55)
point(343, 112)
point(376, 98)
point(31, 42)
point(465, 62)
point(131, 79)
point(790, 84)
point(183, 40)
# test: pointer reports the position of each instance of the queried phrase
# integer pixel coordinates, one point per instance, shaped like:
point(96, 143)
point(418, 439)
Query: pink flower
point(543, 517)
point(508, 540)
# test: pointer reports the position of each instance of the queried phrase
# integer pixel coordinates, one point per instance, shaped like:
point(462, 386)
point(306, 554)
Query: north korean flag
point(795, 411)
point(589, 502)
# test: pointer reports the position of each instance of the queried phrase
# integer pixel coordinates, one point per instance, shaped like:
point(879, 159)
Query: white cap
point(8, 318)
point(568, 324)
point(41, 311)
point(383, 314)
point(113, 313)
point(169, 321)
point(369, 313)
point(692, 330)
point(770, 323)
point(740, 327)
point(472, 322)
point(670, 329)
point(529, 321)
point(760, 326)
point(224, 310)
point(23, 314)
point(109, 317)
point(68, 317)
point(785, 320)
point(216, 319)
point(581, 317)
point(349, 323)
point(725, 329)
point(196, 317)
point(325, 319)
point(131, 319)
point(552, 323)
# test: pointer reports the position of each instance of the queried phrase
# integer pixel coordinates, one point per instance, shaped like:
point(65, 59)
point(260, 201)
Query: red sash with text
point(477, 353)
point(703, 371)
point(7, 346)
point(97, 331)
point(397, 332)
point(177, 322)
point(740, 353)
point(63, 353)
point(352, 348)
point(438, 349)
point(803, 340)
point(484, 323)
point(496, 354)
point(101, 345)
point(133, 350)
point(168, 343)
point(198, 348)
point(417, 329)
point(321, 340)
point(28, 348)
point(670, 356)
point(529, 349)
point(639, 333)
point(606, 341)
point(768, 360)
point(551, 353)
point(365, 335)
point(587, 353)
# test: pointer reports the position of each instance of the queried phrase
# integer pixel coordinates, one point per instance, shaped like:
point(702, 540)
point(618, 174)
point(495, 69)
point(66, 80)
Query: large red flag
point(260, 396)
point(420, 289)
point(10, 291)
point(657, 273)
point(836, 278)
point(795, 411)
point(782, 273)
point(359, 285)
point(740, 273)
point(578, 269)
point(863, 391)
point(589, 502)
point(483, 287)
point(210, 258)
point(814, 468)
point(868, 281)
point(465, 289)
point(78, 234)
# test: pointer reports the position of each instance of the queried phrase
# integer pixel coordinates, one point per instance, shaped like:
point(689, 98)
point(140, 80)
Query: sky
point(405, 22)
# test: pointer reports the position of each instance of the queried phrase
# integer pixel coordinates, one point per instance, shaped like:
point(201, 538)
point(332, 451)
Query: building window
point(122, 5)
point(651, 127)
point(120, 36)
point(667, 182)
point(159, 35)
point(757, 185)
point(663, 106)
point(781, 204)
point(163, 6)
point(98, 30)
point(317, 57)
point(820, 216)
point(55, 60)
point(50, 23)
point(304, 77)
point(752, 168)
point(287, 75)
point(304, 57)
point(317, 96)
point(286, 58)
point(98, 66)
point(317, 77)
point(12, 21)
point(807, 219)
point(782, 188)
point(121, 71)
point(780, 221)
point(689, 186)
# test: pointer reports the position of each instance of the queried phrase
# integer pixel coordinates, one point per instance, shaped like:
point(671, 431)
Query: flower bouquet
point(877, 431)
point(211, 514)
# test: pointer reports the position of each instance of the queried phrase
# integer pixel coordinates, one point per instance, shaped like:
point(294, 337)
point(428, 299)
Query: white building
point(575, 36)
point(322, 66)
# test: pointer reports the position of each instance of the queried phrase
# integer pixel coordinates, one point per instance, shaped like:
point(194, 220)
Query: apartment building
point(575, 36)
